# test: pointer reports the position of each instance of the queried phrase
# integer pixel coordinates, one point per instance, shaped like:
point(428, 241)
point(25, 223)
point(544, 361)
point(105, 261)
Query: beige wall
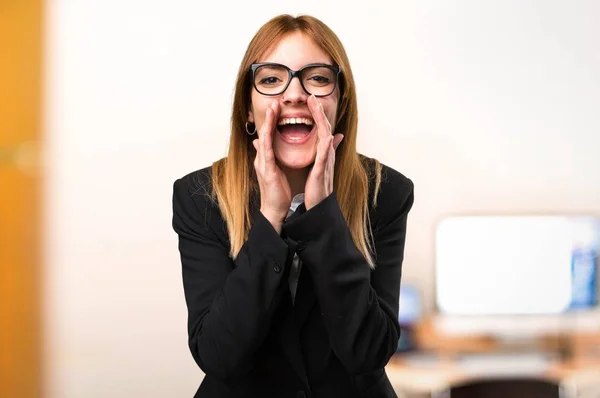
point(488, 108)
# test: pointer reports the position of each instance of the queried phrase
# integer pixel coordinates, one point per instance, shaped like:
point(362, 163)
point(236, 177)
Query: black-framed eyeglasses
point(271, 78)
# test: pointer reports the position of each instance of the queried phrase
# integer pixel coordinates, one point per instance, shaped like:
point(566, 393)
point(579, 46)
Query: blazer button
point(301, 246)
point(276, 268)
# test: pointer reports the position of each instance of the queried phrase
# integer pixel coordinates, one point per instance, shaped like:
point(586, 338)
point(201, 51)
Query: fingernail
point(273, 104)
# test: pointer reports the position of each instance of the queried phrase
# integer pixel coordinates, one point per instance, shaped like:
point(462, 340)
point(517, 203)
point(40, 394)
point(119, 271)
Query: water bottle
point(584, 265)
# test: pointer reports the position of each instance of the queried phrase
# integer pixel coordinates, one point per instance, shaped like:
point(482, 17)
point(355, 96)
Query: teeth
point(295, 120)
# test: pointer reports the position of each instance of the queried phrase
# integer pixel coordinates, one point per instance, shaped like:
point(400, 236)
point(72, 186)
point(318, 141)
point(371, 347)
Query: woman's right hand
point(275, 192)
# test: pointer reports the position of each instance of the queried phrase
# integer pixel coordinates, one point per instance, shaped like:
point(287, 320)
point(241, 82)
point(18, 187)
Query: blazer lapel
point(305, 297)
point(288, 336)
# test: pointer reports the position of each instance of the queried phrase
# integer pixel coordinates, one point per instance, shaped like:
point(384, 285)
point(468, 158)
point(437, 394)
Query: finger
point(275, 107)
point(337, 139)
point(323, 147)
point(267, 126)
point(258, 158)
point(256, 145)
point(275, 119)
point(318, 114)
point(323, 131)
point(268, 130)
point(322, 155)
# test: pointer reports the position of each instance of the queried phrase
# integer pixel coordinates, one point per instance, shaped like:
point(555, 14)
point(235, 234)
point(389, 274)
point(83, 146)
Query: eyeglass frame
point(293, 73)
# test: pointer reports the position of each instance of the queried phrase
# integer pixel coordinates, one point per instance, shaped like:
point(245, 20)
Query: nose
point(294, 94)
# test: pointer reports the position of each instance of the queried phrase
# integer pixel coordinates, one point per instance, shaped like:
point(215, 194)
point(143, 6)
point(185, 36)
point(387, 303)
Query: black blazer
point(244, 331)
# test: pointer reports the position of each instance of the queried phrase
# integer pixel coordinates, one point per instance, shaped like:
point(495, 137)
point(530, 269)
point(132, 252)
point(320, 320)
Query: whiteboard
point(504, 265)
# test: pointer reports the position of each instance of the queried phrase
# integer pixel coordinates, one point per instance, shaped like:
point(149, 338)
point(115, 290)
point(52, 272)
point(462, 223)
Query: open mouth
point(295, 130)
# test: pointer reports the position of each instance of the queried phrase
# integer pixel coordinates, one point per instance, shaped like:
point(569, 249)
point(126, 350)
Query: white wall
point(487, 106)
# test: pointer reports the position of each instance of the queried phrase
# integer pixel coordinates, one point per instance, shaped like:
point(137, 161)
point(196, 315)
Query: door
point(20, 197)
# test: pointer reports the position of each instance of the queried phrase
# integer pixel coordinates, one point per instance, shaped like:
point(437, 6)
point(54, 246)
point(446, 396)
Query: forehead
point(296, 50)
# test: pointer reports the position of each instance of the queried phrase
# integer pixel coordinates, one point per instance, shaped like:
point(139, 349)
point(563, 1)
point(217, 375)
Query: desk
point(444, 373)
point(443, 364)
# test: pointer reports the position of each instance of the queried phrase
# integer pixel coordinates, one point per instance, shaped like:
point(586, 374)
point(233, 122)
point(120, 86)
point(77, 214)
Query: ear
point(250, 116)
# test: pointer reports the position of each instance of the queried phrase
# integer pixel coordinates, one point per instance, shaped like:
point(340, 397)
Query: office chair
point(506, 387)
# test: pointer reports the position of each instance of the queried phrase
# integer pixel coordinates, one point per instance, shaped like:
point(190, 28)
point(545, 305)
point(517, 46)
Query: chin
point(295, 160)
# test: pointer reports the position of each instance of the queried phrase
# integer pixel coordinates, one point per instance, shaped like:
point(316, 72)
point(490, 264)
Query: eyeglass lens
point(273, 80)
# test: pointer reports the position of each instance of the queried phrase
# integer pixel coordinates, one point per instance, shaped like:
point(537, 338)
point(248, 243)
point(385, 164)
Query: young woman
point(292, 245)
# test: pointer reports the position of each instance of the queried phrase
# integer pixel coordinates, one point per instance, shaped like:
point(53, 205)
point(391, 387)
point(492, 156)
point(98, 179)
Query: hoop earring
point(247, 131)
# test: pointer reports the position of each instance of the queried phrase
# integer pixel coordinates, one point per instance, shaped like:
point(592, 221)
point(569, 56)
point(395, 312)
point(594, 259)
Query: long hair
point(234, 179)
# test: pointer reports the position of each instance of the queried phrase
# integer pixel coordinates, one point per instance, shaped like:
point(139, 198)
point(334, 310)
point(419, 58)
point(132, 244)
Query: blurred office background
point(491, 108)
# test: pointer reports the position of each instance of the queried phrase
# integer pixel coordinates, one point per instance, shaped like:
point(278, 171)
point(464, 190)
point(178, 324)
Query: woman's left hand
point(319, 183)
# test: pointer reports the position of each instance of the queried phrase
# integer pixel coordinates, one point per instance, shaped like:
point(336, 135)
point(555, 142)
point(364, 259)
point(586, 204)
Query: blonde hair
point(233, 178)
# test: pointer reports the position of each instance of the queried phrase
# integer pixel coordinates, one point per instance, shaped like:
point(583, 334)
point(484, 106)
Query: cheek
point(258, 111)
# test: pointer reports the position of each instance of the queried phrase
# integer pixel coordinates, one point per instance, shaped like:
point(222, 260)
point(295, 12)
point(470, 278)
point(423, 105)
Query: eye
point(269, 80)
point(319, 76)
point(320, 79)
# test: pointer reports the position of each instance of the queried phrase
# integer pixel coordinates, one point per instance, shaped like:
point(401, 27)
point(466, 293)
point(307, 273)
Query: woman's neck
point(296, 178)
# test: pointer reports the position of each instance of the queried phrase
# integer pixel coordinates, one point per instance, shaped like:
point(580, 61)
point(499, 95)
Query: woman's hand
point(319, 183)
point(275, 192)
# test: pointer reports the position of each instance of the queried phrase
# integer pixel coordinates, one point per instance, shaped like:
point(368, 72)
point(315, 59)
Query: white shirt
point(296, 264)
